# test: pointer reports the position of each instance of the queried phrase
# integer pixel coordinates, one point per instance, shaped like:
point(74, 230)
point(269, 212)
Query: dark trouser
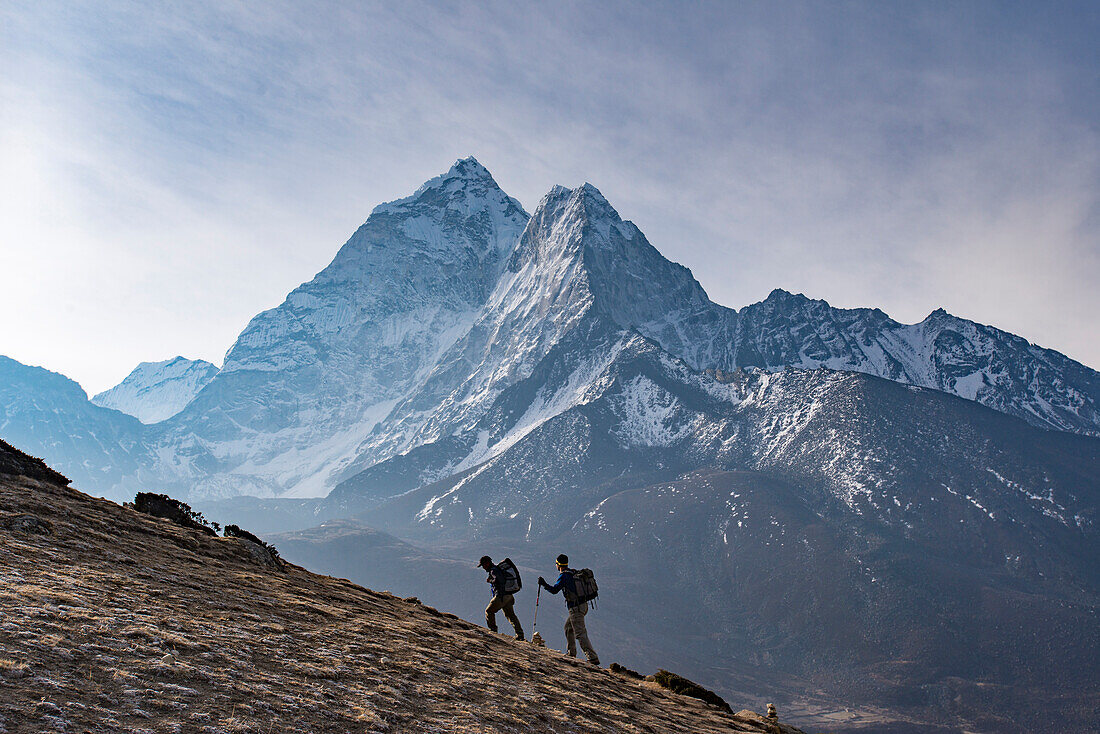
point(505, 603)
point(575, 632)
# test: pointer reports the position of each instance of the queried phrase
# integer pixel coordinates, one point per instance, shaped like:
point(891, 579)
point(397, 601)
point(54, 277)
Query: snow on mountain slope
point(550, 407)
point(578, 274)
point(155, 391)
point(944, 352)
point(579, 268)
point(550, 444)
point(306, 381)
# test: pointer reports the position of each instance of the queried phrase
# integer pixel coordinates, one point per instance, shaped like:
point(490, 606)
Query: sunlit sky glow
point(168, 172)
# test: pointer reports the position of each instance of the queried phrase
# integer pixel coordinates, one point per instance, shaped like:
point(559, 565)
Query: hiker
point(574, 626)
point(502, 579)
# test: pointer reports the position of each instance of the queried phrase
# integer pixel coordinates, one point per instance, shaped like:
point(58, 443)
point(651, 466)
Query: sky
point(169, 170)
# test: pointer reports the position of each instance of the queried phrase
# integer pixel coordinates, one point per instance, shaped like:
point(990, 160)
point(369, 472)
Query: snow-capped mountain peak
point(466, 172)
point(580, 275)
point(569, 220)
point(156, 391)
point(464, 169)
point(628, 281)
point(442, 246)
point(465, 197)
point(307, 380)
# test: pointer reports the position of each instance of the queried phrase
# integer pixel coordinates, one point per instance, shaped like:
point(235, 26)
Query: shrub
point(161, 505)
point(234, 531)
point(623, 670)
point(685, 687)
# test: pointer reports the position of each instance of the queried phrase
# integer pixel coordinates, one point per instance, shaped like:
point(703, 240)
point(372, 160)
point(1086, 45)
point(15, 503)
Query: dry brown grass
point(11, 668)
point(117, 622)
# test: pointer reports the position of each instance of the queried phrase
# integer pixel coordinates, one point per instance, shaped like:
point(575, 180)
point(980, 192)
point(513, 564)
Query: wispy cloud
point(171, 171)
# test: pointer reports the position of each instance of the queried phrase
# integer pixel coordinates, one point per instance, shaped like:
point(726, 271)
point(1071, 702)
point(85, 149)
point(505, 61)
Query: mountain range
point(895, 513)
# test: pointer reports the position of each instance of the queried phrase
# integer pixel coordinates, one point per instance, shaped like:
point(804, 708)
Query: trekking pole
point(535, 624)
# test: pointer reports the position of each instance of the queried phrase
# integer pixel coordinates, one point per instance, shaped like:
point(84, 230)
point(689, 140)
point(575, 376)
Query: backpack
point(510, 581)
point(584, 582)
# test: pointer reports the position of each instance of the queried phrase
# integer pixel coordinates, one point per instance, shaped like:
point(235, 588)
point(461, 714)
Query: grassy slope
point(120, 622)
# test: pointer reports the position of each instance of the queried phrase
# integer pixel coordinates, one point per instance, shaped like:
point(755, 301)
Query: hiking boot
point(520, 638)
point(594, 661)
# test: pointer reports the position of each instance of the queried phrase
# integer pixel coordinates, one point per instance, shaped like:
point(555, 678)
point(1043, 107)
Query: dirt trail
point(117, 622)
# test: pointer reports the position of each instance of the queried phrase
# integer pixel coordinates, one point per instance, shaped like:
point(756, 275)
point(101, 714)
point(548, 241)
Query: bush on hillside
point(685, 687)
point(235, 531)
point(623, 670)
point(161, 505)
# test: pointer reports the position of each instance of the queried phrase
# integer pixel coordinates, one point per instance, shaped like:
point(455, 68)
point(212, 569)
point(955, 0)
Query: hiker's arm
point(494, 581)
point(556, 587)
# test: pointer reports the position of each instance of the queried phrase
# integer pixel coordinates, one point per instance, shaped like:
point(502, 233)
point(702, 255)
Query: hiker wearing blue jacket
point(501, 600)
point(574, 625)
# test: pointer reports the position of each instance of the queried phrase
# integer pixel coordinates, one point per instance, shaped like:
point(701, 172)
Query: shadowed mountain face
point(50, 415)
point(895, 545)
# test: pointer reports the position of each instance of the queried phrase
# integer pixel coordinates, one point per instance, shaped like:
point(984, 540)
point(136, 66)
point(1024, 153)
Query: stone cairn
point(773, 719)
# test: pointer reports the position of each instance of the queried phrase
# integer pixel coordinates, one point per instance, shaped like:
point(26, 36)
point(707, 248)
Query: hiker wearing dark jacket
point(574, 625)
point(500, 601)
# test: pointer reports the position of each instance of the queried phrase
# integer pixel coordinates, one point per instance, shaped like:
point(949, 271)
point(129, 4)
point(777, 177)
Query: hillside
point(115, 621)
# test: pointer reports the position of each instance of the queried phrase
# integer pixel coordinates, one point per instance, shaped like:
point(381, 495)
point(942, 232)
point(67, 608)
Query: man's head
point(563, 561)
point(486, 562)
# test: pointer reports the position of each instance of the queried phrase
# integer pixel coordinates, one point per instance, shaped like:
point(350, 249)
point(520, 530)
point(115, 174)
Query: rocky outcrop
point(25, 524)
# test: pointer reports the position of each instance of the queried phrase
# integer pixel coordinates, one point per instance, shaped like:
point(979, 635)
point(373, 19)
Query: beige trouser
point(575, 632)
point(505, 603)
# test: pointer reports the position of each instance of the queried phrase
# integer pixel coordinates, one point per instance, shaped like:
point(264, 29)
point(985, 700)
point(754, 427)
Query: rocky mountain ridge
point(942, 352)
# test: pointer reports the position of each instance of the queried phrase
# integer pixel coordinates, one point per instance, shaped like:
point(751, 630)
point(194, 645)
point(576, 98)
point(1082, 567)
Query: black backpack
point(584, 584)
point(510, 581)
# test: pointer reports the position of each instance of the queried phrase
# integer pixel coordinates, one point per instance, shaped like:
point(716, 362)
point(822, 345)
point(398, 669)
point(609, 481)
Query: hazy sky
point(168, 170)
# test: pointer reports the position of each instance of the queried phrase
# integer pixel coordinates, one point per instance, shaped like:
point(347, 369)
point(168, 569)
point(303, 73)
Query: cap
point(483, 561)
point(563, 560)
